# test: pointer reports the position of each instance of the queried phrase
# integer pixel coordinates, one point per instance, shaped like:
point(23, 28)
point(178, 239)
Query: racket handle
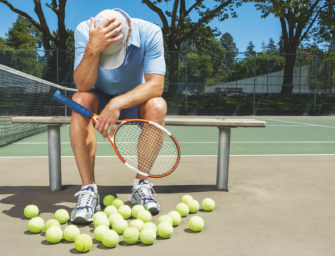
point(71, 104)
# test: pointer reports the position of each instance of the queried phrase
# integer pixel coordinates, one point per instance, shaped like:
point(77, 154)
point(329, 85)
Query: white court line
point(285, 125)
point(300, 123)
point(261, 155)
point(207, 142)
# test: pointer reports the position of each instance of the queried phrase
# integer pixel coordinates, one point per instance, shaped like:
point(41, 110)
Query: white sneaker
point(88, 203)
point(142, 195)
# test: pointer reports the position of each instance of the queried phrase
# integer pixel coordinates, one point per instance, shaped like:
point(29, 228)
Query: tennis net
point(26, 95)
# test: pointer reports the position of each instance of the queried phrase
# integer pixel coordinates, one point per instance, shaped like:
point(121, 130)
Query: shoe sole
point(80, 220)
point(153, 211)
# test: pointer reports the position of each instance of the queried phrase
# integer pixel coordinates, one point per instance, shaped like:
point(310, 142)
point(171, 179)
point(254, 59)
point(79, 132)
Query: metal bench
point(224, 125)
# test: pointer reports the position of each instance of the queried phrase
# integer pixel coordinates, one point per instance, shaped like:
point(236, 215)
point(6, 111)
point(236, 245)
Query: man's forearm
point(86, 73)
point(150, 89)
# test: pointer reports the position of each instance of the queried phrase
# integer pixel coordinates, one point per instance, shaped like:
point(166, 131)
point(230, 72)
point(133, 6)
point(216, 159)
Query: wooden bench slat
point(177, 121)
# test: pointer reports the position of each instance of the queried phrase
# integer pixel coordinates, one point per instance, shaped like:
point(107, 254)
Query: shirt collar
point(135, 35)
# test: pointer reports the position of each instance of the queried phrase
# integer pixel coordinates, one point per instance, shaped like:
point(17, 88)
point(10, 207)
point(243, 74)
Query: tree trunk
point(287, 86)
point(173, 72)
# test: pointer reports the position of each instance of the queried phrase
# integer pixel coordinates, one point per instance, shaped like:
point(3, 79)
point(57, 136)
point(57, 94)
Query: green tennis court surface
point(283, 135)
point(280, 199)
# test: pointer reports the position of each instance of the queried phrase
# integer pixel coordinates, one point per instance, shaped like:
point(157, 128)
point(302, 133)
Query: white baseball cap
point(113, 56)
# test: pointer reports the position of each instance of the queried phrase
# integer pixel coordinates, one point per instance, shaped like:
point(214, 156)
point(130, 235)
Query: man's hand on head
point(104, 35)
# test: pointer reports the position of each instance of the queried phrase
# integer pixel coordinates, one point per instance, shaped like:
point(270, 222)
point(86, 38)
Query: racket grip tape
point(71, 104)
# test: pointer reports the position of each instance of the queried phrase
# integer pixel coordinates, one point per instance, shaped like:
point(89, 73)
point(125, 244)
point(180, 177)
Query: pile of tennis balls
point(118, 219)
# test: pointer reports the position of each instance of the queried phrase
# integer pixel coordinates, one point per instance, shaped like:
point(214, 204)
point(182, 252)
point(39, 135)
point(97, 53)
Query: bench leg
point(55, 179)
point(223, 159)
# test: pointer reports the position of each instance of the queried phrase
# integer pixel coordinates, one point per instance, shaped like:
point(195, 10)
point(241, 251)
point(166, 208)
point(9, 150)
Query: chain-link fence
point(234, 84)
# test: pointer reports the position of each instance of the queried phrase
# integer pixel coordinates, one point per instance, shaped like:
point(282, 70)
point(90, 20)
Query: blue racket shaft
point(73, 105)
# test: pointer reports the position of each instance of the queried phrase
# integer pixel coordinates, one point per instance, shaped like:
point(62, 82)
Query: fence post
point(57, 75)
point(315, 82)
point(254, 97)
point(186, 80)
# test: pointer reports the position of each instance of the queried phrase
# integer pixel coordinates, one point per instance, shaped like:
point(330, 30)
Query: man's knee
point(87, 99)
point(154, 107)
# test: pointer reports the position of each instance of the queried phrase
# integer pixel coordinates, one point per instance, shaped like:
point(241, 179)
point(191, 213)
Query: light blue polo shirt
point(145, 55)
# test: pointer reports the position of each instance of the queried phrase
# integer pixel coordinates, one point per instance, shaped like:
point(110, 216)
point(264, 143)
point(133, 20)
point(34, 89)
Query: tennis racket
point(143, 146)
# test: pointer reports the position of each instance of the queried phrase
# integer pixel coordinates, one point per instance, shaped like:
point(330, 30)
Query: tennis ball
point(208, 204)
point(193, 205)
point(31, 211)
point(125, 211)
point(70, 233)
point(110, 238)
point(176, 218)
point(137, 223)
point(131, 235)
point(98, 215)
point(54, 234)
point(50, 223)
point(36, 225)
point(144, 215)
point(113, 217)
point(120, 225)
point(83, 243)
point(150, 225)
point(109, 210)
point(148, 235)
point(99, 232)
point(164, 218)
point(164, 230)
point(136, 209)
point(196, 223)
point(108, 200)
point(62, 216)
point(101, 220)
point(186, 198)
point(183, 209)
point(117, 202)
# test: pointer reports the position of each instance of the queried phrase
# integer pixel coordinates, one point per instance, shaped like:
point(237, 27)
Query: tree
point(271, 47)
point(325, 32)
point(49, 39)
point(250, 50)
point(230, 50)
point(182, 28)
point(21, 36)
point(263, 47)
point(255, 66)
point(297, 18)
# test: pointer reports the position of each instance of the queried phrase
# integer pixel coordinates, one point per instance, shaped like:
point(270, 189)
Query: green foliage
point(325, 32)
point(20, 36)
point(260, 104)
point(257, 65)
point(250, 50)
point(20, 48)
point(199, 67)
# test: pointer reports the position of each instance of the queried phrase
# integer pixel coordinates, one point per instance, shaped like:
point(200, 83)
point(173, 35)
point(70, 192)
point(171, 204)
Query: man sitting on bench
point(119, 73)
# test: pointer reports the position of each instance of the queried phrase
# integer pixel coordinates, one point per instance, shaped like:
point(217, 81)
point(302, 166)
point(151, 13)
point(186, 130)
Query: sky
point(249, 26)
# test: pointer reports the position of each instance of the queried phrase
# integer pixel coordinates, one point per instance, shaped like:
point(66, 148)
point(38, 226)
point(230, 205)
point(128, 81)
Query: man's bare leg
point(84, 146)
point(153, 110)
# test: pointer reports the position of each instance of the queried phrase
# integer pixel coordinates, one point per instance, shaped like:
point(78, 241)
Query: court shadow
point(48, 202)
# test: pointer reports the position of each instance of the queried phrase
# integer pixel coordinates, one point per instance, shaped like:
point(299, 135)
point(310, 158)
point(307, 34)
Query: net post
point(55, 179)
point(223, 159)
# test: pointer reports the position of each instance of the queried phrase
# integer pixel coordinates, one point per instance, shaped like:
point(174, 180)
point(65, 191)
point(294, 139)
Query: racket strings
point(146, 147)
